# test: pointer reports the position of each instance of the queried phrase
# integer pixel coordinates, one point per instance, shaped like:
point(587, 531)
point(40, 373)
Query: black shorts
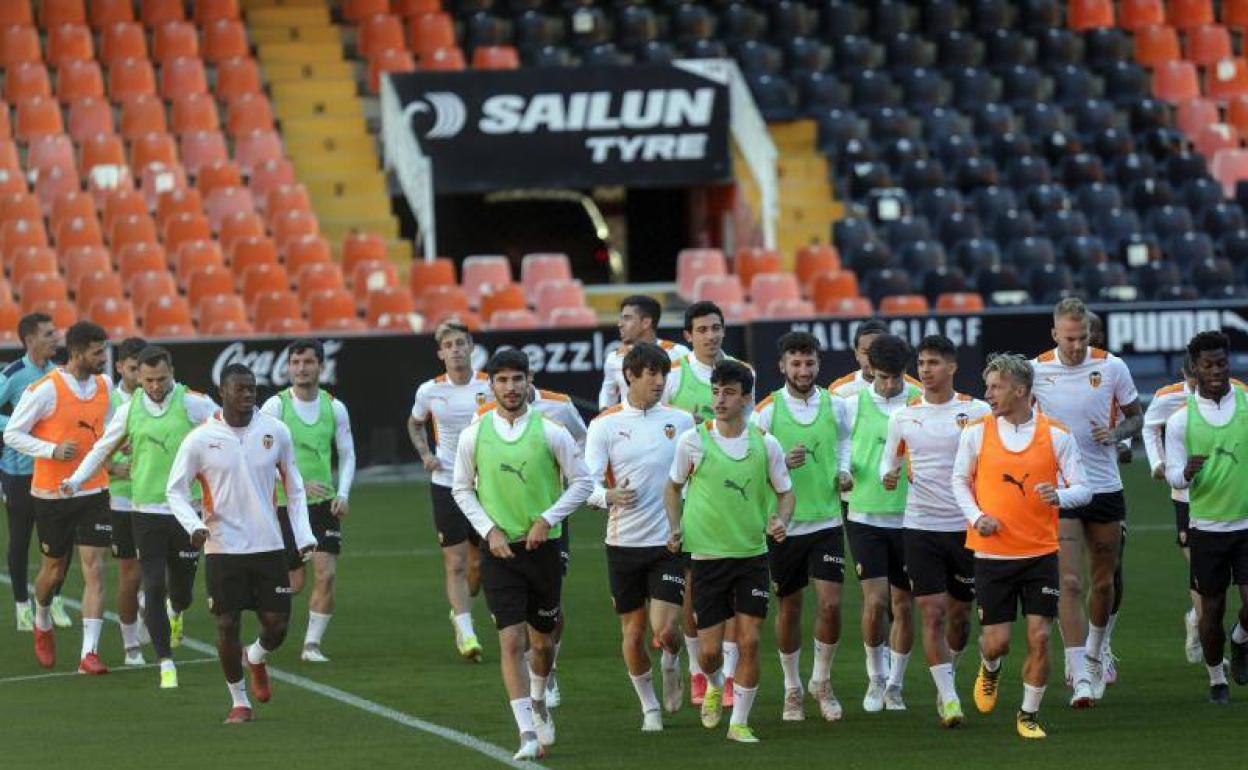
point(641, 573)
point(325, 526)
point(452, 525)
point(17, 499)
point(160, 536)
point(1105, 508)
point(939, 563)
point(122, 536)
point(564, 541)
point(1003, 584)
point(819, 555)
point(726, 587)
point(1218, 559)
point(526, 588)
point(1182, 521)
point(879, 552)
point(64, 522)
point(247, 581)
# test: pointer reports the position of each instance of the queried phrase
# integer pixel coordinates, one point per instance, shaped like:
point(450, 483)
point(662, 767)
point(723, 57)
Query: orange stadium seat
point(208, 11)
point(181, 76)
point(19, 206)
point(79, 80)
point(121, 203)
point(1134, 14)
point(56, 181)
point(1176, 81)
point(102, 150)
point(218, 175)
point(573, 317)
point(556, 294)
point(307, 250)
point(32, 260)
point(102, 13)
point(81, 260)
point(437, 304)
point(183, 228)
point(63, 312)
point(515, 319)
point(78, 231)
point(960, 302)
point(1214, 137)
point(250, 251)
point(269, 175)
point(102, 284)
point(254, 148)
point(26, 80)
point(157, 12)
point(67, 207)
point(284, 198)
point(236, 76)
point(37, 116)
point(1082, 15)
point(199, 148)
point(153, 148)
point(691, 264)
point(1235, 13)
point(1229, 167)
point(208, 281)
point(131, 77)
point(435, 272)
point(16, 13)
point(766, 288)
point(1194, 114)
point(430, 31)
point(240, 225)
point(371, 275)
point(358, 247)
point(166, 315)
point(379, 33)
point(273, 306)
point(495, 57)
point(788, 309)
point(174, 39)
point(720, 289)
point(388, 60)
point(177, 201)
point(140, 257)
point(509, 297)
point(356, 11)
point(193, 255)
point(330, 307)
point(449, 59)
point(1186, 14)
point(215, 308)
point(116, 315)
point(262, 278)
point(317, 277)
point(482, 270)
point(904, 304)
point(540, 267)
point(69, 42)
point(55, 12)
point(751, 262)
point(1227, 79)
point(1157, 44)
point(37, 288)
point(16, 234)
point(248, 113)
point(142, 114)
point(19, 44)
point(1208, 44)
point(44, 152)
point(132, 228)
point(848, 307)
point(225, 39)
point(225, 201)
point(814, 259)
point(292, 224)
point(828, 288)
point(121, 41)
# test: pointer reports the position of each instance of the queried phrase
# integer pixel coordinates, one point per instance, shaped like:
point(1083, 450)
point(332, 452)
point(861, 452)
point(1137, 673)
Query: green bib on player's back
point(1220, 491)
point(119, 487)
point(154, 440)
point(517, 481)
point(313, 443)
point(814, 484)
point(728, 502)
point(870, 433)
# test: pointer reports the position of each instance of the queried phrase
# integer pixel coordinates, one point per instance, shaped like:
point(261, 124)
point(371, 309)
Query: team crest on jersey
point(480, 399)
point(962, 419)
point(669, 430)
point(267, 441)
point(1095, 379)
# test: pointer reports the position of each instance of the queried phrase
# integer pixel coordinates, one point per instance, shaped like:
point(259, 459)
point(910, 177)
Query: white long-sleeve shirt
point(236, 467)
point(888, 406)
point(804, 411)
point(559, 407)
point(37, 403)
point(1217, 414)
point(928, 435)
point(614, 386)
point(1166, 401)
point(1016, 438)
point(452, 408)
point(562, 446)
point(344, 441)
point(199, 409)
point(635, 448)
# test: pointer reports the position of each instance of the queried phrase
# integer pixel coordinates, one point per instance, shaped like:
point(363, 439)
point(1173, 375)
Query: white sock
point(991, 665)
point(130, 635)
point(1239, 635)
point(1077, 659)
point(522, 710)
point(791, 662)
point(537, 687)
point(824, 653)
point(1192, 615)
point(317, 623)
point(1032, 696)
point(1217, 674)
point(167, 665)
point(43, 617)
point(1096, 641)
point(170, 611)
point(716, 679)
point(897, 671)
point(554, 657)
point(942, 675)
point(742, 702)
point(693, 649)
point(644, 685)
point(91, 628)
point(1109, 629)
point(732, 654)
point(670, 661)
point(238, 691)
point(256, 653)
point(463, 622)
point(876, 670)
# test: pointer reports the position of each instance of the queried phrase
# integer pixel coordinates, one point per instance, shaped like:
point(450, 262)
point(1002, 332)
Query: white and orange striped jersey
point(1083, 397)
point(848, 387)
point(236, 468)
point(634, 447)
point(923, 438)
point(555, 405)
point(1166, 401)
point(614, 386)
point(452, 408)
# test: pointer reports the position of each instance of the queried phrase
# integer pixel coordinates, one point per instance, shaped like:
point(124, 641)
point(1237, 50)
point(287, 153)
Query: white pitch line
point(465, 740)
point(120, 670)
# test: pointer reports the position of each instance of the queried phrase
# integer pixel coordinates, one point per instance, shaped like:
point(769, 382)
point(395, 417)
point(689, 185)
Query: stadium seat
point(437, 272)
point(316, 277)
point(224, 39)
point(556, 294)
point(206, 280)
point(1227, 79)
point(36, 289)
point(436, 303)
point(371, 275)
point(78, 231)
point(502, 320)
point(115, 314)
point(236, 76)
point(217, 175)
point(539, 267)
point(132, 228)
point(766, 288)
point(1208, 44)
point(960, 302)
point(751, 262)
point(26, 80)
point(214, 310)
point(1194, 114)
point(1083, 15)
point(1215, 137)
point(327, 308)
point(261, 278)
point(173, 40)
point(139, 257)
point(290, 225)
point(1186, 14)
point(691, 264)
point(226, 201)
point(89, 116)
point(814, 259)
point(1138, 14)
point(787, 309)
point(306, 250)
point(96, 286)
point(388, 60)
point(481, 271)
point(381, 32)
point(181, 77)
point(81, 260)
point(1229, 167)
point(720, 289)
point(1156, 45)
point(166, 316)
point(19, 44)
point(250, 251)
point(510, 297)
point(1235, 13)
point(79, 80)
point(271, 309)
point(449, 59)
point(17, 13)
point(502, 57)
point(31, 260)
point(255, 148)
point(248, 113)
point(69, 42)
point(1176, 81)
point(577, 317)
point(37, 116)
point(430, 31)
point(130, 77)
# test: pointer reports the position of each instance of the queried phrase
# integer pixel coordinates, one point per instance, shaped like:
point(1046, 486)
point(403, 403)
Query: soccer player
point(812, 429)
point(320, 426)
point(876, 515)
point(865, 333)
point(57, 421)
point(1084, 388)
point(1006, 478)
point(237, 456)
point(449, 402)
point(153, 423)
point(629, 452)
point(510, 468)
point(1206, 451)
point(39, 338)
point(923, 436)
point(738, 492)
point(1166, 401)
point(639, 322)
point(126, 364)
point(689, 388)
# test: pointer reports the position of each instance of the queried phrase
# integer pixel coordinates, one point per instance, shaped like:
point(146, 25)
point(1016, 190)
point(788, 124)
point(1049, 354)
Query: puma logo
point(160, 442)
point(730, 484)
point(88, 427)
point(1230, 453)
point(627, 435)
point(813, 451)
point(310, 448)
point(509, 468)
point(1008, 479)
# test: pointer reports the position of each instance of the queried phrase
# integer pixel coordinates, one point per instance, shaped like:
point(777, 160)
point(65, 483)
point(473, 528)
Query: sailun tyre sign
point(639, 126)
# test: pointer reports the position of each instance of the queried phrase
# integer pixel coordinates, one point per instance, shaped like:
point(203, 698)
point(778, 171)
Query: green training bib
point(1220, 491)
point(870, 434)
point(815, 483)
point(517, 481)
point(728, 501)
